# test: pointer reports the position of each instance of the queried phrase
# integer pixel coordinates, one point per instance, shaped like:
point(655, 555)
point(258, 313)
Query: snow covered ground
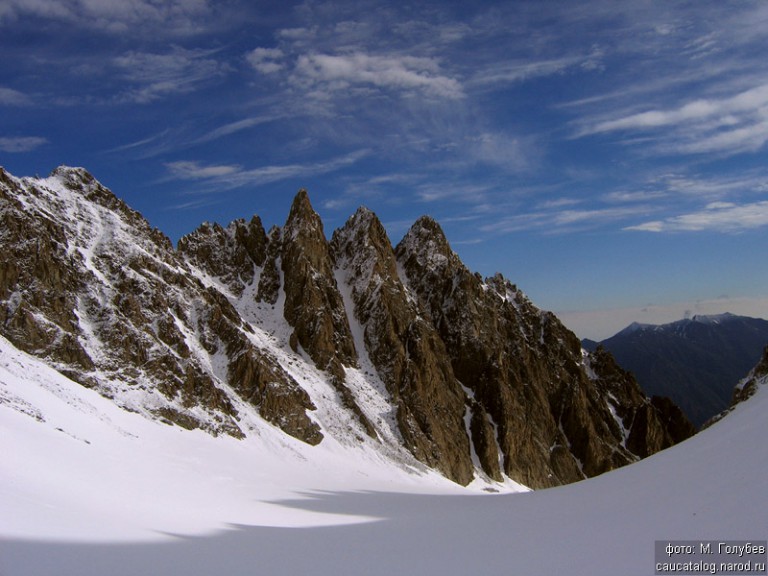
point(89, 489)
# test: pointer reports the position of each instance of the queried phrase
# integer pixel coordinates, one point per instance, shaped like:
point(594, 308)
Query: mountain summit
point(349, 341)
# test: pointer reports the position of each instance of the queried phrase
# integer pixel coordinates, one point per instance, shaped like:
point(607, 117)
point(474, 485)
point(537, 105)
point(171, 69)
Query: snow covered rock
point(232, 254)
point(353, 341)
point(757, 377)
point(88, 285)
point(746, 388)
point(405, 349)
point(553, 422)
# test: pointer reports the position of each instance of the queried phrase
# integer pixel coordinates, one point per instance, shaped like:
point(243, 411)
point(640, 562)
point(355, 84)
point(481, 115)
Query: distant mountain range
point(696, 362)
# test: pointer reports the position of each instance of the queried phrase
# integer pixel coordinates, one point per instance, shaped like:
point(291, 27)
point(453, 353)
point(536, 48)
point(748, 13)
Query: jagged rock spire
point(407, 351)
point(313, 304)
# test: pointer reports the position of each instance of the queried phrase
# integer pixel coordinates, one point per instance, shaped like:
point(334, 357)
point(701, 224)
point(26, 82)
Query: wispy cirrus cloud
point(21, 143)
point(726, 110)
point(220, 177)
point(728, 125)
point(114, 16)
point(11, 97)
point(558, 221)
point(528, 69)
point(156, 75)
point(329, 73)
point(714, 217)
point(190, 170)
point(237, 126)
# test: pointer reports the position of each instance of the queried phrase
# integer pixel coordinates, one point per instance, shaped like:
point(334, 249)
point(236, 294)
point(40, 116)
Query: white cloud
point(747, 102)
point(634, 196)
point(728, 125)
point(158, 75)
point(559, 221)
point(266, 60)
point(21, 144)
point(234, 127)
point(518, 71)
point(715, 216)
point(226, 176)
point(135, 16)
point(559, 203)
point(750, 138)
point(10, 97)
point(187, 170)
point(330, 73)
point(472, 193)
point(503, 150)
point(13, 9)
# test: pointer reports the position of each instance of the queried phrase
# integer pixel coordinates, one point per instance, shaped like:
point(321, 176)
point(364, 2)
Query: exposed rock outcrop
point(313, 304)
point(746, 388)
point(402, 347)
point(406, 350)
point(89, 285)
point(231, 254)
point(526, 370)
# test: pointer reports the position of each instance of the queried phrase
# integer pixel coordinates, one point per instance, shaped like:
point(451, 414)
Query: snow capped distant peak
point(635, 327)
point(63, 171)
point(680, 325)
point(713, 318)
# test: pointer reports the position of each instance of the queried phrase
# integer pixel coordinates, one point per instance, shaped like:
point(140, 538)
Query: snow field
point(87, 488)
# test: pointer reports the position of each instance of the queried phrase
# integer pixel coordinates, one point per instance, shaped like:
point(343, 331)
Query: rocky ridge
point(746, 387)
point(351, 338)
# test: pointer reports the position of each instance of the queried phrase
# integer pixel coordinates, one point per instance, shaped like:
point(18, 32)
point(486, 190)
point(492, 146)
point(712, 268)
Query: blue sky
point(609, 157)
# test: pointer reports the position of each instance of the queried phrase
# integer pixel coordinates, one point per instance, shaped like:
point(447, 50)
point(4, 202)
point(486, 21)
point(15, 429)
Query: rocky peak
point(313, 305)
point(231, 254)
point(407, 351)
point(303, 221)
point(364, 241)
point(425, 244)
point(75, 178)
point(524, 369)
point(80, 181)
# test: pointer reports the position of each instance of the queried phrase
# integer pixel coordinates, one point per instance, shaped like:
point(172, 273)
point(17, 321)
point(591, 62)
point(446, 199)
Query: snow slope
point(89, 489)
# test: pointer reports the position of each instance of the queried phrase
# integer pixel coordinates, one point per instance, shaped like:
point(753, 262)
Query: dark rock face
point(478, 380)
point(406, 350)
point(313, 304)
point(746, 387)
point(554, 424)
point(269, 281)
point(649, 425)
